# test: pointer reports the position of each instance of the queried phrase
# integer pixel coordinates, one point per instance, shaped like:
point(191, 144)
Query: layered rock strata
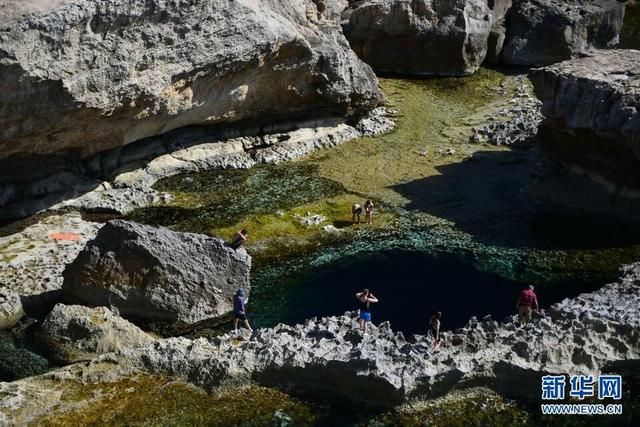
point(157, 275)
point(93, 75)
point(120, 180)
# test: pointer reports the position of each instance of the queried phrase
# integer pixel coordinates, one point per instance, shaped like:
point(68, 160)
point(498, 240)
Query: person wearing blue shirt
point(239, 311)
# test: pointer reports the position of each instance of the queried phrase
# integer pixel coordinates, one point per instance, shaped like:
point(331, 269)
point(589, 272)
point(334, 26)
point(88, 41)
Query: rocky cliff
point(453, 37)
point(542, 32)
point(92, 75)
point(591, 109)
point(423, 37)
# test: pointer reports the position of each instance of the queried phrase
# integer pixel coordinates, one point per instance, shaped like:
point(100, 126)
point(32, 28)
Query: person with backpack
point(365, 298)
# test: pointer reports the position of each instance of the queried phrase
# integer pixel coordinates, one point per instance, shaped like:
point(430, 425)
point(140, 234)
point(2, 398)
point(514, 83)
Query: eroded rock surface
point(422, 37)
point(32, 259)
point(329, 357)
point(591, 107)
point(154, 274)
point(542, 32)
point(93, 75)
point(73, 332)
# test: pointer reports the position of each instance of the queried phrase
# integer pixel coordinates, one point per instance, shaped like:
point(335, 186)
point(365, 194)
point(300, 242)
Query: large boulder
point(591, 108)
point(542, 32)
point(71, 333)
point(421, 37)
point(81, 77)
point(157, 275)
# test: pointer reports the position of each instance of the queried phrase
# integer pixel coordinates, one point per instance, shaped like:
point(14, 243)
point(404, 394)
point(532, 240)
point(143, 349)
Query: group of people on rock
point(526, 304)
point(240, 237)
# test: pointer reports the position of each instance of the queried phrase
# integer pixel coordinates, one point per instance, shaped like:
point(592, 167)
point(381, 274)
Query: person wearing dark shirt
point(239, 311)
point(365, 298)
point(527, 302)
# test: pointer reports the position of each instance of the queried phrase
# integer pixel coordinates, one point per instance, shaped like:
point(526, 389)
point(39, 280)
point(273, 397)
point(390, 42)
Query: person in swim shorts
point(365, 298)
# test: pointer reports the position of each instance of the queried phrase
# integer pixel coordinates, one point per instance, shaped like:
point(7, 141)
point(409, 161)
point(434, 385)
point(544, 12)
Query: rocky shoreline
point(329, 358)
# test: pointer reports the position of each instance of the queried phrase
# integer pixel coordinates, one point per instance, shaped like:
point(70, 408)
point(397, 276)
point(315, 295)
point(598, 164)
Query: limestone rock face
point(154, 274)
point(542, 32)
point(422, 37)
point(73, 332)
point(591, 107)
point(92, 75)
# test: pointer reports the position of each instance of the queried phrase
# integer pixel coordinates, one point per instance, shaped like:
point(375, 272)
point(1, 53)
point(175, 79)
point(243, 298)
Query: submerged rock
point(157, 275)
point(94, 75)
point(542, 32)
point(422, 37)
point(72, 332)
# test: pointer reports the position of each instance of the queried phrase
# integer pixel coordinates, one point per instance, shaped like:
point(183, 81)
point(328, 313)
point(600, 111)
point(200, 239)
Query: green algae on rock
point(162, 401)
point(472, 407)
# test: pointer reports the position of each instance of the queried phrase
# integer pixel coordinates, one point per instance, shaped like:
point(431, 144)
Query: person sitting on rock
point(366, 298)
point(368, 211)
point(527, 301)
point(239, 312)
point(434, 329)
point(356, 210)
point(239, 239)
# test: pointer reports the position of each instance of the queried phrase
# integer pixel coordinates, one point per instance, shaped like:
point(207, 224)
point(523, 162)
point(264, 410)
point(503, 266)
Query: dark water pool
point(410, 286)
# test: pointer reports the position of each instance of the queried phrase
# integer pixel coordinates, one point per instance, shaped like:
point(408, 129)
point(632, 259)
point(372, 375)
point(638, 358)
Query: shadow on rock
point(489, 195)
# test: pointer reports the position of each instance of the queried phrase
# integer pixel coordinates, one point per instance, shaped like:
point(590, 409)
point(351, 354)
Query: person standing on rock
point(366, 298)
point(434, 328)
point(239, 239)
point(368, 211)
point(356, 210)
point(239, 312)
point(527, 302)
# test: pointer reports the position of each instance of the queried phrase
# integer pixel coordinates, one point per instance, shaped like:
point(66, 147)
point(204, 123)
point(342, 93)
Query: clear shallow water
point(463, 221)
